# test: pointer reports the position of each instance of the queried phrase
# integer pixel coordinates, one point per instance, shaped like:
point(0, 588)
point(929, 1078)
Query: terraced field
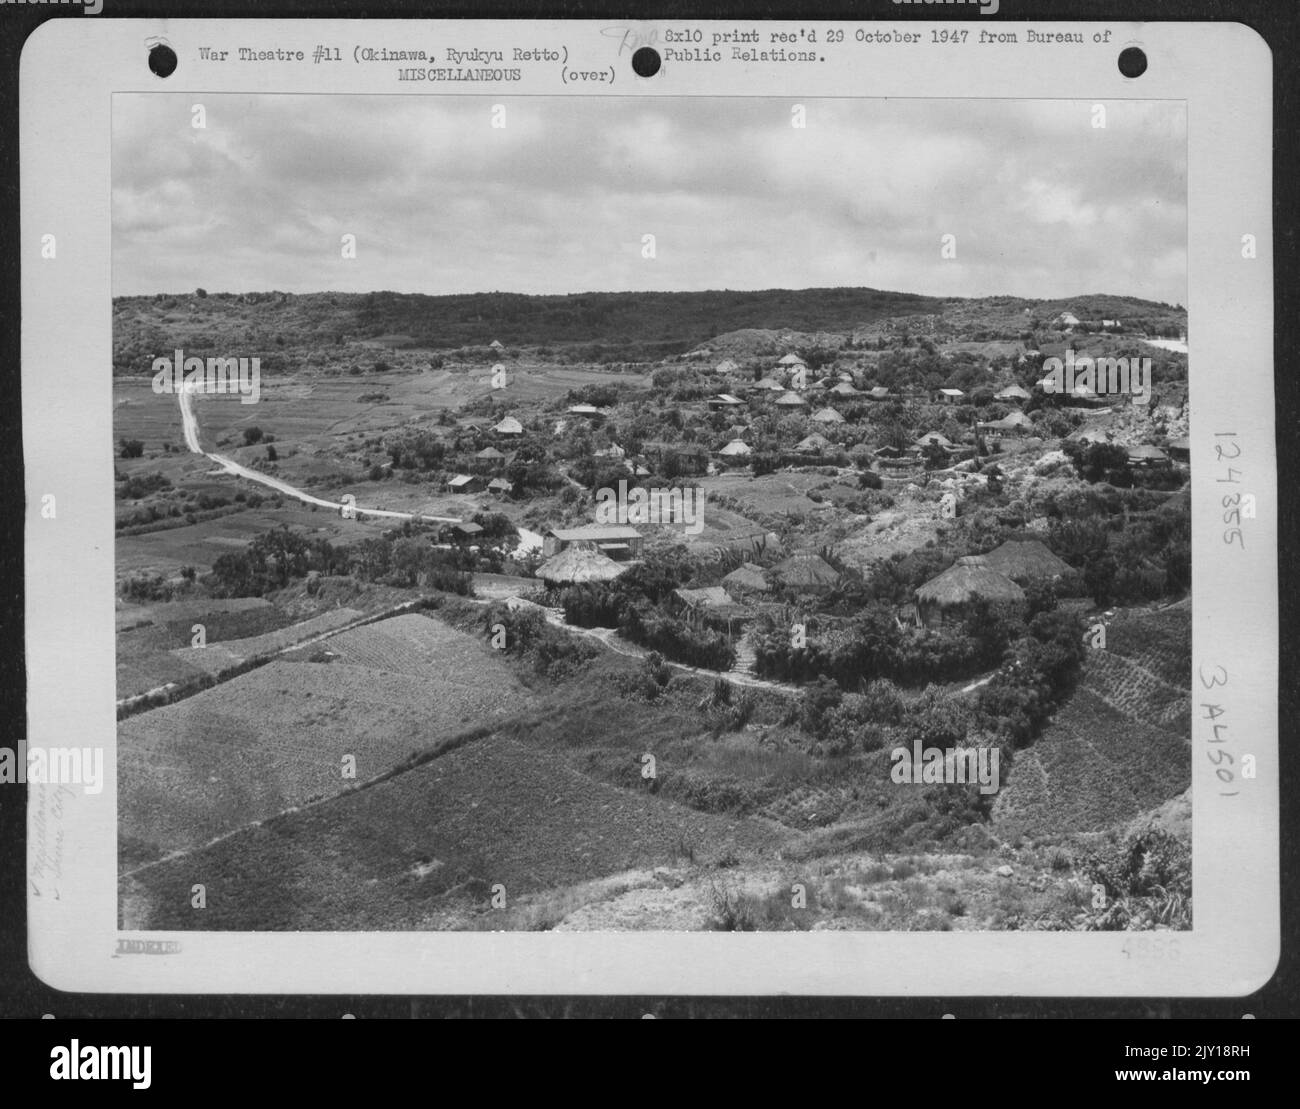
point(1121, 745)
point(216, 657)
point(149, 636)
point(423, 849)
point(410, 644)
point(276, 737)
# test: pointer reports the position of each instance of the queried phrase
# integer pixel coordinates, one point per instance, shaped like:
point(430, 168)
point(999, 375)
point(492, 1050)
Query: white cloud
point(1042, 203)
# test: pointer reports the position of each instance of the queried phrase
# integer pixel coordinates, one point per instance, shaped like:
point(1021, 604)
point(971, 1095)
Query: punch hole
point(645, 61)
point(162, 60)
point(1132, 61)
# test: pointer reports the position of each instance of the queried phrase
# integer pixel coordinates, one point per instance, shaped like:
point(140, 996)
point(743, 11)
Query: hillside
point(587, 326)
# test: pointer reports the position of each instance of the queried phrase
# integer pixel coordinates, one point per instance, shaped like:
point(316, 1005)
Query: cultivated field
point(276, 737)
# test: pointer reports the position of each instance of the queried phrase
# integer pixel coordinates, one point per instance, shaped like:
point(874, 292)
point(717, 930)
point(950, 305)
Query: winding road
point(191, 425)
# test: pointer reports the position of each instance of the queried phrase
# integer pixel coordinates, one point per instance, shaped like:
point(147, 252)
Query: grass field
point(1121, 744)
point(422, 850)
point(219, 656)
point(275, 737)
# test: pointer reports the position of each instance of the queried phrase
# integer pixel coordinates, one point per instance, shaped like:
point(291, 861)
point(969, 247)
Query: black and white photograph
point(679, 514)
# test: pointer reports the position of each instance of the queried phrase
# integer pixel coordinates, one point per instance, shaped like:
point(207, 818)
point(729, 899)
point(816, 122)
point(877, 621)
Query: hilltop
point(588, 327)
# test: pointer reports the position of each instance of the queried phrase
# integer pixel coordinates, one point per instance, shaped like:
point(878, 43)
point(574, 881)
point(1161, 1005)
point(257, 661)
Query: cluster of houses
point(787, 387)
point(997, 579)
point(602, 552)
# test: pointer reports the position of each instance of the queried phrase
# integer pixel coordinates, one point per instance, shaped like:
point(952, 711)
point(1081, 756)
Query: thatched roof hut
point(579, 564)
point(1148, 454)
point(791, 400)
point(746, 579)
point(933, 439)
point(827, 416)
point(813, 444)
point(944, 598)
point(808, 572)
point(1012, 392)
point(1013, 423)
point(737, 448)
point(1023, 561)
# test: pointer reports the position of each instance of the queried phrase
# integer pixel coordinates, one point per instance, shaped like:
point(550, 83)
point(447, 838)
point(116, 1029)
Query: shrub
point(1147, 877)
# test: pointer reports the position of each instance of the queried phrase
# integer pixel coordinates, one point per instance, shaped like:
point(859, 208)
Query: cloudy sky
point(1041, 203)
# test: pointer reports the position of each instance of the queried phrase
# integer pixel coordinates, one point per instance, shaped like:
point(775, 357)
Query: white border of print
point(1223, 72)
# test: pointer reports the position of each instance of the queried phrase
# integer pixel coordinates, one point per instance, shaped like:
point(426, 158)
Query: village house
point(617, 541)
point(947, 599)
point(489, 458)
point(1012, 393)
point(807, 572)
point(791, 401)
point(827, 416)
point(499, 487)
point(948, 396)
point(1180, 450)
point(737, 448)
point(466, 483)
point(464, 532)
point(933, 439)
point(508, 426)
point(1025, 562)
point(1014, 423)
point(711, 607)
point(496, 346)
point(1147, 456)
point(726, 366)
point(814, 444)
point(724, 401)
point(747, 582)
point(579, 565)
point(1088, 436)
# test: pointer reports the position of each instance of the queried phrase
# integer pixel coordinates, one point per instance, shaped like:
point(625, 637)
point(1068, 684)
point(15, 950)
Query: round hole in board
point(646, 62)
point(162, 60)
point(1132, 61)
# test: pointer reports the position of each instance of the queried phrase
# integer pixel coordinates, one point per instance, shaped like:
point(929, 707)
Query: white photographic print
point(918, 657)
point(727, 533)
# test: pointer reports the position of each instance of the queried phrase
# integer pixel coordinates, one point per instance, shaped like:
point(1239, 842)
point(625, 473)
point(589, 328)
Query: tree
point(286, 549)
point(272, 454)
point(131, 448)
point(252, 435)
